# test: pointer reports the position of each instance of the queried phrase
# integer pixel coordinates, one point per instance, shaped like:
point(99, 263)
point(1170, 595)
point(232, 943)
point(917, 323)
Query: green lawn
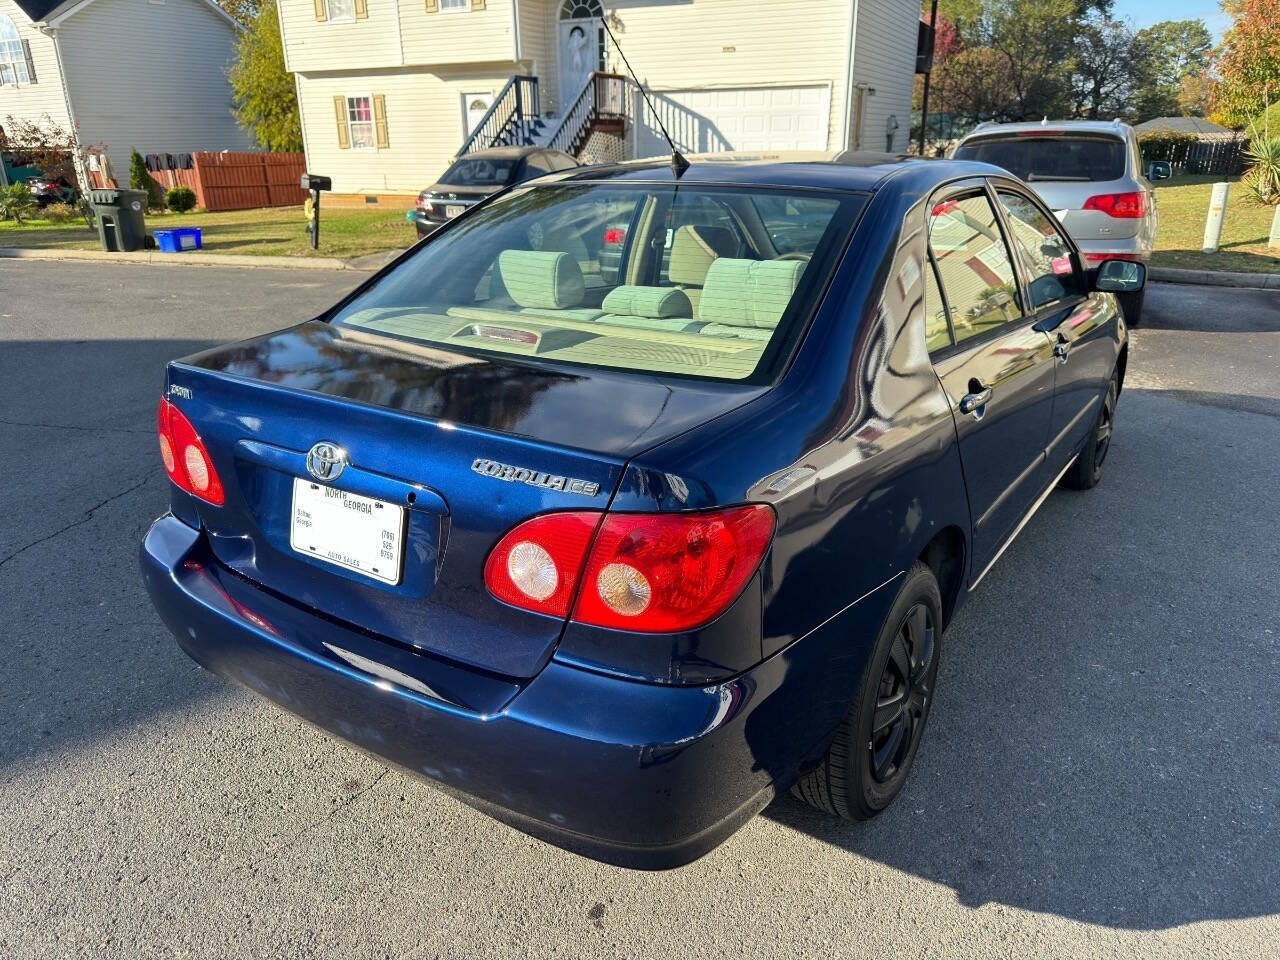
point(276, 230)
point(1183, 204)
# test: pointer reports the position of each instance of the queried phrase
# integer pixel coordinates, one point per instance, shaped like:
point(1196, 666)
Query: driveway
point(1101, 776)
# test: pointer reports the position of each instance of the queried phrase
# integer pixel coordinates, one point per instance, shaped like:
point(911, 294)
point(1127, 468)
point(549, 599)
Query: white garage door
point(741, 118)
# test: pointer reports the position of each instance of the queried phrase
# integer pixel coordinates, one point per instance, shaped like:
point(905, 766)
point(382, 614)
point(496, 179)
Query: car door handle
point(976, 402)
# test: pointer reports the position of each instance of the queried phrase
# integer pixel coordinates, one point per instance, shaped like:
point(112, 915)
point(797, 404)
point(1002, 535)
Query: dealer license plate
point(350, 531)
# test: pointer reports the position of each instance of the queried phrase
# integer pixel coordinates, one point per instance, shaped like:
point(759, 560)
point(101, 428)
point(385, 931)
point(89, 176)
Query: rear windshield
point(694, 281)
point(1036, 157)
point(481, 172)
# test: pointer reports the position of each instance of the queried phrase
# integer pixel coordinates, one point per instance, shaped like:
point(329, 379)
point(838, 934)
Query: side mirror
point(1160, 170)
point(1120, 276)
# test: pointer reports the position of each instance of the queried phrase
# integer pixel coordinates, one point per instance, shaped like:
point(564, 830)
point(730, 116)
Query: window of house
point(974, 265)
point(360, 123)
point(341, 9)
point(454, 6)
point(13, 59)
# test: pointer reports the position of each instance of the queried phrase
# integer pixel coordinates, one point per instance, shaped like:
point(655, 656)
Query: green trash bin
point(121, 216)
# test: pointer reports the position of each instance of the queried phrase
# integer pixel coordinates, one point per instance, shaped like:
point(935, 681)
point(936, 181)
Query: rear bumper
point(636, 774)
point(1122, 246)
point(424, 224)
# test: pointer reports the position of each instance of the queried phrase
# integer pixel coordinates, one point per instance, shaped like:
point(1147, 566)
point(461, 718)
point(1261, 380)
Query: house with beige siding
point(150, 74)
point(392, 90)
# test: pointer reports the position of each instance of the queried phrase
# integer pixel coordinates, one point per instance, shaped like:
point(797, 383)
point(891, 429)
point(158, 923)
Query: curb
point(180, 259)
point(1215, 278)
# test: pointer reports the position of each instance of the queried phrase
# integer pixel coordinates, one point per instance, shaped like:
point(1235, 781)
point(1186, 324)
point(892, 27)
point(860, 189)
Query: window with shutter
point(360, 125)
point(15, 55)
point(343, 10)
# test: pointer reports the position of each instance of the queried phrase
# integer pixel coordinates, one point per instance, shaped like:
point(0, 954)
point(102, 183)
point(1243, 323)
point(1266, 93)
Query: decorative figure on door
point(578, 49)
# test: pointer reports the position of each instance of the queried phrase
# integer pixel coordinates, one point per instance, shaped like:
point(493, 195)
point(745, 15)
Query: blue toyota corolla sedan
point(627, 501)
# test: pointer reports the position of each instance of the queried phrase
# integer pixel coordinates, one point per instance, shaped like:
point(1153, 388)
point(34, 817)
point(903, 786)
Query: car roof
point(497, 153)
point(1114, 128)
point(844, 170)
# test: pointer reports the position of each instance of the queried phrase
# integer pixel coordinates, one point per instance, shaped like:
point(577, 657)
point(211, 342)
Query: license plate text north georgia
point(346, 529)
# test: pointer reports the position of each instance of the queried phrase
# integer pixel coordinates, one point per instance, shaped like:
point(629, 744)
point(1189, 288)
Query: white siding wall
point(168, 93)
point(395, 33)
point(692, 44)
point(470, 36)
point(885, 58)
point(33, 101)
point(424, 125)
point(336, 45)
point(537, 54)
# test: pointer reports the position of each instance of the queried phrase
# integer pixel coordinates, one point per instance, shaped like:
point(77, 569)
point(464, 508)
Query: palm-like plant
point(16, 202)
point(1262, 179)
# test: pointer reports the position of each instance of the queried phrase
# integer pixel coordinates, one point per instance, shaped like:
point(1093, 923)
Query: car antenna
point(678, 162)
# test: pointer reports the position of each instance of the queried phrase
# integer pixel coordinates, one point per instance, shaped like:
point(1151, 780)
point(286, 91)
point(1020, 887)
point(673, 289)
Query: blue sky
point(1145, 12)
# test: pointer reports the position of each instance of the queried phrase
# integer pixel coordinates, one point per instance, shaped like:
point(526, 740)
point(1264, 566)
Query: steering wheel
point(796, 255)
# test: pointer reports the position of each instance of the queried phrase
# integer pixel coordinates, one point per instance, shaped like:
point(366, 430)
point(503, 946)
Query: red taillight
point(1099, 257)
point(615, 236)
point(646, 572)
point(666, 572)
point(536, 565)
point(1121, 205)
point(186, 460)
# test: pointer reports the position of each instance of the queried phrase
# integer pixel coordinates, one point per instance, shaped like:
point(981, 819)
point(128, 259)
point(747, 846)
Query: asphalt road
point(1101, 776)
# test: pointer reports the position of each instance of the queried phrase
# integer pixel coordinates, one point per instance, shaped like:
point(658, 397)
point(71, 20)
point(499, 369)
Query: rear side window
point(647, 278)
point(480, 172)
point(1040, 157)
point(974, 266)
point(937, 334)
point(1044, 250)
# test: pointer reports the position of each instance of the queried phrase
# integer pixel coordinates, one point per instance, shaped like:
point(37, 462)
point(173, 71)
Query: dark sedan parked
point(617, 551)
point(479, 175)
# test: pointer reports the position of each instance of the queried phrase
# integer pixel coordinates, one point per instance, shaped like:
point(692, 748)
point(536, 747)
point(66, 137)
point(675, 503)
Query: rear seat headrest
point(636, 301)
point(695, 248)
point(545, 279)
point(749, 293)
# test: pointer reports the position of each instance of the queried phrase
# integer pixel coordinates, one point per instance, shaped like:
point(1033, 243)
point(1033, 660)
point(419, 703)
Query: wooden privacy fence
point(1218, 153)
point(232, 181)
point(241, 181)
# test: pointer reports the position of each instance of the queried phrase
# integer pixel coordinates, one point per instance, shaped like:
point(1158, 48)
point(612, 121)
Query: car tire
point(1131, 306)
point(866, 766)
point(1085, 473)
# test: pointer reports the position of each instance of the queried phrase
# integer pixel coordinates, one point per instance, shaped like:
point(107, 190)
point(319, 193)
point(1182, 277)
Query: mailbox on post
point(311, 209)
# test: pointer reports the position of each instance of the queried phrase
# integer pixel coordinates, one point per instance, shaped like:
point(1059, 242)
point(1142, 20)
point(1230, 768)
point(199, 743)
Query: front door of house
point(474, 107)
point(581, 46)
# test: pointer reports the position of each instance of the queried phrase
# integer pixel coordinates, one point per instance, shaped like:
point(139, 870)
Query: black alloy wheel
point(902, 697)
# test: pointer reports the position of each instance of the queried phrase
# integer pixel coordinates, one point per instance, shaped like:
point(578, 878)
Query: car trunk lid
point(465, 446)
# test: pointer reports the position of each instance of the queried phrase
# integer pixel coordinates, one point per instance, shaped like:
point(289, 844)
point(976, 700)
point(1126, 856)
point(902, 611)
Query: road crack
point(85, 518)
point(302, 834)
point(68, 426)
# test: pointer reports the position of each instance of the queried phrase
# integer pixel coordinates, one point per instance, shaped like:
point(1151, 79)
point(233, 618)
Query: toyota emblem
point(326, 461)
